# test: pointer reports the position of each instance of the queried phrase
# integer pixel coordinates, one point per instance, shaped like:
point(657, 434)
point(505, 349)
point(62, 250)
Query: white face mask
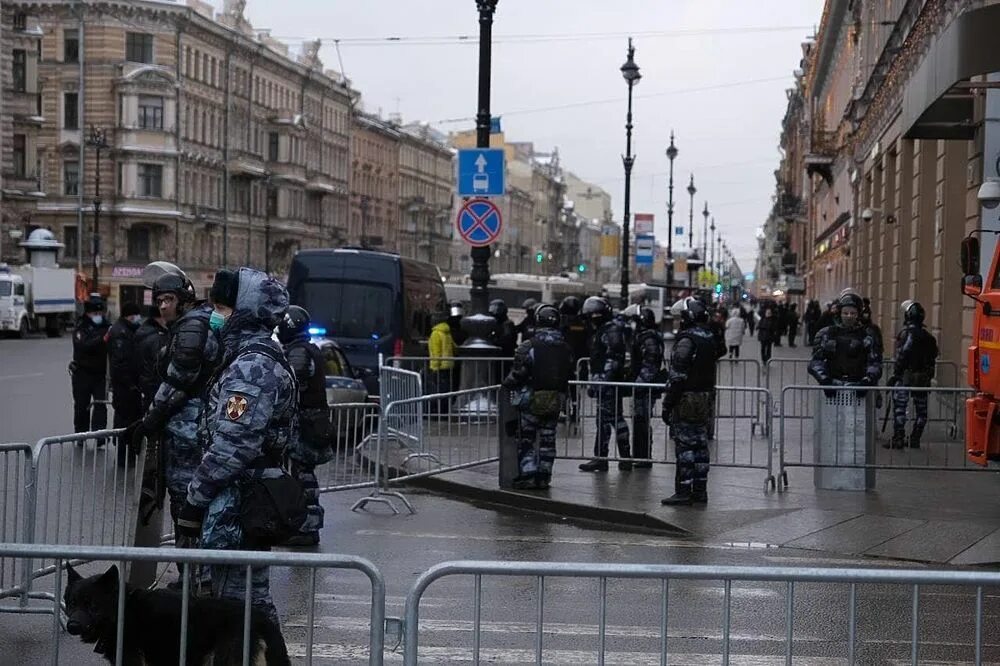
point(97, 319)
point(135, 319)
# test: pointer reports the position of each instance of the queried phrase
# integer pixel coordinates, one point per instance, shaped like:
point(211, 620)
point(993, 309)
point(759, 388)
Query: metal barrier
point(355, 428)
point(454, 373)
point(397, 384)
point(123, 557)
point(797, 444)
point(16, 482)
point(741, 412)
point(530, 602)
point(737, 372)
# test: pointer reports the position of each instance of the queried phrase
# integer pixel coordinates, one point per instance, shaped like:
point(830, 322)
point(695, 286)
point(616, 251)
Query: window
point(71, 111)
point(138, 244)
point(69, 240)
point(348, 310)
point(20, 21)
point(20, 155)
point(71, 178)
point(272, 146)
point(151, 180)
point(71, 45)
point(20, 70)
point(150, 112)
point(272, 202)
point(138, 47)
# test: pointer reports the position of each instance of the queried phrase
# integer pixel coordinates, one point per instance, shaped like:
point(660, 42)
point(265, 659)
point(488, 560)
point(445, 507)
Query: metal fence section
point(738, 372)
point(940, 449)
point(301, 627)
point(738, 431)
point(790, 585)
point(16, 483)
point(453, 373)
point(354, 430)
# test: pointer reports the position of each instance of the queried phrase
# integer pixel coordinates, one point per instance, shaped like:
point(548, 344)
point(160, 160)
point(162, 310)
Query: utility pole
point(98, 140)
point(630, 71)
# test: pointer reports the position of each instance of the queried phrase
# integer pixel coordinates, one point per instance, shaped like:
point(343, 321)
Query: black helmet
point(498, 308)
point(164, 277)
point(294, 323)
point(850, 300)
point(570, 306)
point(646, 318)
point(529, 306)
point(913, 312)
point(94, 303)
point(546, 316)
point(596, 309)
point(690, 310)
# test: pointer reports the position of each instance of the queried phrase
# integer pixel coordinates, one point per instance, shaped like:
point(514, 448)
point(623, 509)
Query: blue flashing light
point(317, 330)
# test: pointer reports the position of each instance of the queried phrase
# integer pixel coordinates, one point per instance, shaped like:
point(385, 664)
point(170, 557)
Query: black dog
point(153, 625)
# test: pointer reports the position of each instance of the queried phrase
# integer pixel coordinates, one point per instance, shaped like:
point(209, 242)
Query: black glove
point(134, 433)
point(189, 520)
point(895, 380)
point(666, 412)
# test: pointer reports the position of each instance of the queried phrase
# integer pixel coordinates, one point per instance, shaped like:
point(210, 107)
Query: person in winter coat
point(792, 316)
point(441, 347)
point(736, 328)
point(90, 367)
point(765, 334)
point(149, 341)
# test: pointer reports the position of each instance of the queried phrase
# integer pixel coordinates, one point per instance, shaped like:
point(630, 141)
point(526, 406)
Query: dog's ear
point(73, 575)
point(110, 577)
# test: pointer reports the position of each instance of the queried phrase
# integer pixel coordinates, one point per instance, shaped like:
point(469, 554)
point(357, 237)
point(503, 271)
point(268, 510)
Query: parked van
point(370, 302)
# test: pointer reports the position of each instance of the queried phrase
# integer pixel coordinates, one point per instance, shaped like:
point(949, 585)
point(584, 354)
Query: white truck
point(36, 299)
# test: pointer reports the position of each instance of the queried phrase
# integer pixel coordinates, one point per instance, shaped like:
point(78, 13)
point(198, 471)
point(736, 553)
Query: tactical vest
point(552, 363)
point(313, 396)
point(702, 374)
point(208, 365)
point(637, 349)
point(608, 342)
point(850, 358)
point(924, 350)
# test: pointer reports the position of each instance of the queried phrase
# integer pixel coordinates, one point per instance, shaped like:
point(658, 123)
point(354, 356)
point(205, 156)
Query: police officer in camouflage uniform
point(647, 368)
point(188, 360)
point(542, 369)
point(916, 355)
point(607, 364)
point(689, 400)
point(251, 416)
point(847, 353)
point(314, 445)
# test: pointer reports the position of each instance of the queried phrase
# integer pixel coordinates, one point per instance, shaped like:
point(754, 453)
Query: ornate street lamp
point(630, 71)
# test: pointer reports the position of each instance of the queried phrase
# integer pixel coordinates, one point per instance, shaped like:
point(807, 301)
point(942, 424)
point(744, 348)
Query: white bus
point(515, 288)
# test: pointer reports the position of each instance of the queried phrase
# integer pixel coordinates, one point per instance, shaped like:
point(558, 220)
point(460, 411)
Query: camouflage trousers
point(182, 452)
point(530, 428)
point(610, 419)
point(691, 451)
point(900, 401)
point(306, 475)
point(222, 531)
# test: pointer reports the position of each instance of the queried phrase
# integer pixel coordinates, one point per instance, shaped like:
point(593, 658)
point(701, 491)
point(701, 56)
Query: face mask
point(135, 319)
point(97, 319)
point(216, 321)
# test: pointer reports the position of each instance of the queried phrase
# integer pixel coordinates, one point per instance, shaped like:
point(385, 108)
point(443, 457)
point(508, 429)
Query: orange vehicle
point(982, 412)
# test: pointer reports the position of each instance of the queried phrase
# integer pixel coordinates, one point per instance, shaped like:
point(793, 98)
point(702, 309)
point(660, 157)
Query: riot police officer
point(89, 369)
point(647, 368)
point(526, 328)
point(313, 446)
point(505, 333)
point(125, 363)
point(916, 354)
point(542, 369)
point(607, 364)
point(574, 329)
point(847, 353)
point(689, 401)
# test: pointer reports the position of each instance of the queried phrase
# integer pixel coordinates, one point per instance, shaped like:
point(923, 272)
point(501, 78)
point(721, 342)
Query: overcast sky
point(721, 87)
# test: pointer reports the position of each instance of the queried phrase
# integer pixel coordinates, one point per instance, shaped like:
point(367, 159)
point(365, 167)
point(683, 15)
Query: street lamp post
point(267, 224)
point(98, 140)
point(704, 239)
point(711, 265)
point(671, 155)
point(630, 71)
point(691, 191)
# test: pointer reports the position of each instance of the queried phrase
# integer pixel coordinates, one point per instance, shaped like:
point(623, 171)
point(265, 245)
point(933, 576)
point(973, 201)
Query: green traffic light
point(538, 258)
point(582, 268)
point(718, 287)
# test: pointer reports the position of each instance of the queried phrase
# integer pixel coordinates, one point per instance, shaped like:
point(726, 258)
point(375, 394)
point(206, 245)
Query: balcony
point(246, 164)
point(287, 172)
point(319, 183)
point(25, 107)
point(22, 186)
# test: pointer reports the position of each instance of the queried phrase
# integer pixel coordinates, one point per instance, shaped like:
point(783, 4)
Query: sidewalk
point(924, 516)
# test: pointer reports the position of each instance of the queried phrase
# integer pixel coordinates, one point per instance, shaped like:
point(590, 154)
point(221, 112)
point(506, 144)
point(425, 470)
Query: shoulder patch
point(236, 406)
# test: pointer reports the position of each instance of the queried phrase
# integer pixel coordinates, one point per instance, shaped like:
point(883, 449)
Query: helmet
point(690, 310)
point(570, 306)
point(646, 318)
point(913, 312)
point(849, 299)
point(596, 309)
point(94, 303)
point(456, 310)
point(294, 323)
point(546, 316)
point(529, 306)
point(164, 277)
point(498, 308)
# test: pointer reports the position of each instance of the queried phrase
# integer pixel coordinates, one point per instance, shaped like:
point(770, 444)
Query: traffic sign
point(481, 172)
point(479, 222)
point(645, 248)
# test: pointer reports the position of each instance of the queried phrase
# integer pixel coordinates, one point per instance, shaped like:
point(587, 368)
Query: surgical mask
point(216, 321)
point(97, 319)
point(135, 319)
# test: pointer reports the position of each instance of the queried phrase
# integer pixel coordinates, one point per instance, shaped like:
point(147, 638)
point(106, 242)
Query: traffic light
point(582, 268)
point(538, 257)
point(718, 287)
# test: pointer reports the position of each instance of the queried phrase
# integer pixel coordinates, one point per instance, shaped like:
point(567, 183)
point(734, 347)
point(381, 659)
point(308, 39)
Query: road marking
point(4, 378)
point(576, 541)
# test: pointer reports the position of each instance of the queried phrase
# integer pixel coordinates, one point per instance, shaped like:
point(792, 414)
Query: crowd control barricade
point(739, 430)
point(781, 602)
point(738, 372)
point(16, 482)
point(354, 429)
point(301, 627)
point(454, 373)
point(461, 430)
point(397, 384)
point(864, 447)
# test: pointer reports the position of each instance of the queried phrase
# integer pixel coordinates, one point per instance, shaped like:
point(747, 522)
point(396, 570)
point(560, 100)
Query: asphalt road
point(35, 401)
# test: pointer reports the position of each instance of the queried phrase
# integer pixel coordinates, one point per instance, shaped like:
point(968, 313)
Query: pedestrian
point(150, 339)
point(126, 367)
point(441, 347)
point(647, 368)
point(539, 379)
point(313, 446)
point(916, 356)
point(811, 318)
point(688, 402)
point(526, 328)
point(780, 324)
point(751, 319)
point(717, 325)
point(607, 364)
point(736, 328)
point(504, 332)
point(189, 359)
point(793, 325)
point(765, 335)
point(250, 419)
point(89, 369)
point(846, 354)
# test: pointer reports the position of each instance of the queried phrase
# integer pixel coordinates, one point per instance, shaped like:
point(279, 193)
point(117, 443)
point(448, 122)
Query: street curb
point(617, 519)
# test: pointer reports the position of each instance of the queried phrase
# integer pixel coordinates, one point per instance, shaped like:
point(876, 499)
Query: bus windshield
point(348, 309)
point(6, 286)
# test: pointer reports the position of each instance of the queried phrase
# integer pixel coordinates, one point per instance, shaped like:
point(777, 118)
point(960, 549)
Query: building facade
point(426, 194)
point(375, 211)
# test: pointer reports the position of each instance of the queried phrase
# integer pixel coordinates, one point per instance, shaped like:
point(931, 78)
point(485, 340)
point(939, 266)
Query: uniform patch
point(236, 407)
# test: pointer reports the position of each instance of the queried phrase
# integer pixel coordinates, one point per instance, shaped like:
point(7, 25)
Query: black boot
point(594, 466)
point(680, 498)
point(624, 452)
point(699, 492)
point(915, 438)
point(898, 441)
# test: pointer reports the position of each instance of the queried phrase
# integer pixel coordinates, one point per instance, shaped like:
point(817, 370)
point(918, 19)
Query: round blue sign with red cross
point(479, 222)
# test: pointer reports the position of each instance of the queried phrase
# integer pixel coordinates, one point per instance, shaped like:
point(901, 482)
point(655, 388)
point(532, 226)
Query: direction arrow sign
point(479, 222)
point(481, 172)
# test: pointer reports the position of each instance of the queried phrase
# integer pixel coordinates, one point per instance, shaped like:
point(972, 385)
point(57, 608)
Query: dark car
point(370, 303)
